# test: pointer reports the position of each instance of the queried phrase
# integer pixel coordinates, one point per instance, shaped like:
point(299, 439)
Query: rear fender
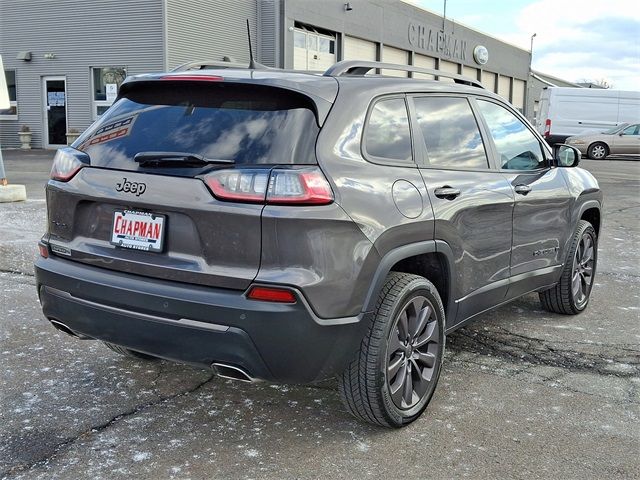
point(394, 256)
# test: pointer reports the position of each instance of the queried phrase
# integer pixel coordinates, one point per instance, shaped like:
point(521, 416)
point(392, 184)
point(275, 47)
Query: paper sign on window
point(112, 91)
point(55, 99)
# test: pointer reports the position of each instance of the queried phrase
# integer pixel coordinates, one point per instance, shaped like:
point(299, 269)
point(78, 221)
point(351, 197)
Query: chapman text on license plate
point(138, 230)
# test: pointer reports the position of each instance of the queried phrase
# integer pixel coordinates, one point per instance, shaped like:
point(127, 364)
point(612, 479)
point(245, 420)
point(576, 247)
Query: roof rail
point(207, 64)
point(361, 67)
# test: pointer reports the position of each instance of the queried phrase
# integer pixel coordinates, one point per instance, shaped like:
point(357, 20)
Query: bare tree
point(598, 83)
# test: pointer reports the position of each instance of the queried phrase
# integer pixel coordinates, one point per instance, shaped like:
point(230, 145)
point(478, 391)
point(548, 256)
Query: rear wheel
point(597, 151)
point(128, 352)
point(571, 295)
point(395, 372)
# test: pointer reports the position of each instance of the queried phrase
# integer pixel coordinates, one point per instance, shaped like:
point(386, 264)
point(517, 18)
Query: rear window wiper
point(175, 159)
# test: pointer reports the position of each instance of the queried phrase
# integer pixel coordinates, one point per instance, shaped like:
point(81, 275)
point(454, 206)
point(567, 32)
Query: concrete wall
point(209, 30)
point(81, 34)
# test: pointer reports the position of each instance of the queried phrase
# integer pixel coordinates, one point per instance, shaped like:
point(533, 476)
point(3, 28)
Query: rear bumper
point(196, 324)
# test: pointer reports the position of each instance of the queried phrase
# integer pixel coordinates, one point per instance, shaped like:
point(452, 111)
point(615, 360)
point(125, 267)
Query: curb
point(13, 193)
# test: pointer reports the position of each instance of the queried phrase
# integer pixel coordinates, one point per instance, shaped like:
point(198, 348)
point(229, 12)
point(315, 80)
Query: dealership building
point(65, 60)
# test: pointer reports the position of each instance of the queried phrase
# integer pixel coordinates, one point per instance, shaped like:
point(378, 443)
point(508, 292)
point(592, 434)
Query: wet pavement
point(523, 393)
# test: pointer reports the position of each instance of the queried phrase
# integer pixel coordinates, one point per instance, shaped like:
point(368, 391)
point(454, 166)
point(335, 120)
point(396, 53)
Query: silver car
point(623, 139)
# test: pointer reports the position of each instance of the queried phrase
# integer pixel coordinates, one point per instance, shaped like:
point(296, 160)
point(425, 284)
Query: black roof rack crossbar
point(360, 67)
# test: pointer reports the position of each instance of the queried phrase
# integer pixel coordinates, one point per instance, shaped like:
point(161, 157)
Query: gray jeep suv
point(294, 227)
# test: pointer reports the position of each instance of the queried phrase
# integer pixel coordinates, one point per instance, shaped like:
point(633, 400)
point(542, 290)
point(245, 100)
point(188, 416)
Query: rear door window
point(245, 124)
point(450, 132)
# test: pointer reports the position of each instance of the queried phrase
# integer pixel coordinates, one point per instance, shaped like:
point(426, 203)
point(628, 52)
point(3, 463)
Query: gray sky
point(576, 40)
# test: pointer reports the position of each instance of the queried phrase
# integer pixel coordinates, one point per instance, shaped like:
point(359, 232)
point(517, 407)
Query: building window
point(12, 112)
point(105, 84)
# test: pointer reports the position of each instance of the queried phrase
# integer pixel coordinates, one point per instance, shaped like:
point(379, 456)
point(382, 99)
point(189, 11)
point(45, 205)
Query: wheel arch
point(590, 211)
point(432, 259)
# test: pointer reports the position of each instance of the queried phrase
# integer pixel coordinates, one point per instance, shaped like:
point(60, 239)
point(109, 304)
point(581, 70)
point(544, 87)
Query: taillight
point(44, 250)
point(279, 186)
point(547, 127)
point(271, 294)
point(67, 162)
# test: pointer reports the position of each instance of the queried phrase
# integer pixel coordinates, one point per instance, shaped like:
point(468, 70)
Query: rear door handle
point(522, 189)
point(447, 193)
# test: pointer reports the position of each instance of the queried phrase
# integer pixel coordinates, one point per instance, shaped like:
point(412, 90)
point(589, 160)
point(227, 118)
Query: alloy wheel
point(583, 265)
point(413, 348)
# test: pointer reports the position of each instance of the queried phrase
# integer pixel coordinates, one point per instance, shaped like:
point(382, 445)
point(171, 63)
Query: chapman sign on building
point(62, 79)
point(437, 41)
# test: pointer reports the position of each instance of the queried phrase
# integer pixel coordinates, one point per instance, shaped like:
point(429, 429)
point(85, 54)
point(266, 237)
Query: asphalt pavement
point(523, 394)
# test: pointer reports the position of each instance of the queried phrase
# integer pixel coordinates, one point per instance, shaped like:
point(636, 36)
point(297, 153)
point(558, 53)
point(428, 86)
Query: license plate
point(138, 230)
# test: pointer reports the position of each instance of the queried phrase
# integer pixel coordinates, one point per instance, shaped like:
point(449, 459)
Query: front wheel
point(571, 294)
point(396, 370)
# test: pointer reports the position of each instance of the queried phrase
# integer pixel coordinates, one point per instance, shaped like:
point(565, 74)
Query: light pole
point(531, 50)
point(530, 103)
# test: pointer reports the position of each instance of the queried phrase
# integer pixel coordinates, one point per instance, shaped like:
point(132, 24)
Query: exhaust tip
point(233, 373)
point(58, 325)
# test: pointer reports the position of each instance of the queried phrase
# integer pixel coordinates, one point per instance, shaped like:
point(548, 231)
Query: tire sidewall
point(398, 416)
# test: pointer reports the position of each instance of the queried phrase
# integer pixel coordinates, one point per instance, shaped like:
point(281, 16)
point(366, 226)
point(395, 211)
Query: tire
point(580, 266)
point(129, 353)
point(597, 151)
point(384, 362)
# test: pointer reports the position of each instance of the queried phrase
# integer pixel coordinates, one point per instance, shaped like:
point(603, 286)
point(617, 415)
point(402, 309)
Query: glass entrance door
point(55, 113)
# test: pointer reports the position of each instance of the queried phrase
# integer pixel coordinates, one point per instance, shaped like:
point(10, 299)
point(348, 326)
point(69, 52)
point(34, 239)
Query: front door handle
point(447, 193)
point(522, 189)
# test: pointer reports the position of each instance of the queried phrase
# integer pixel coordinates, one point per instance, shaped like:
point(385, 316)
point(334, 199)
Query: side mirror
point(566, 155)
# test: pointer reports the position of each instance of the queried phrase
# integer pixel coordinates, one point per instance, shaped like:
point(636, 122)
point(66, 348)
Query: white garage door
point(518, 94)
point(470, 72)
point(424, 62)
point(397, 56)
point(489, 81)
point(449, 67)
point(358, 49)
point(504, 87)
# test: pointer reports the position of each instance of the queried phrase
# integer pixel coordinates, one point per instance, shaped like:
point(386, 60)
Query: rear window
point(248, 124)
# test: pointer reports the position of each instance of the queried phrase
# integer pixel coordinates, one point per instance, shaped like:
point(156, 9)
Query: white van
point(567, 111)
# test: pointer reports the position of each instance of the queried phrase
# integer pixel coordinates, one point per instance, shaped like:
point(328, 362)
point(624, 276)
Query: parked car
point(293, 227)
point(623, 139)
point(567, 111)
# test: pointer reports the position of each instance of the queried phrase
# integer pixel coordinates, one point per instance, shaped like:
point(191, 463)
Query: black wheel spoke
point(430, 335)
point(575, 284)
point(396, 385)
point(394, 342)
point(394, 365)
point(423, 318)
point(407, 388)
point(403, 325)
point(426, 358)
